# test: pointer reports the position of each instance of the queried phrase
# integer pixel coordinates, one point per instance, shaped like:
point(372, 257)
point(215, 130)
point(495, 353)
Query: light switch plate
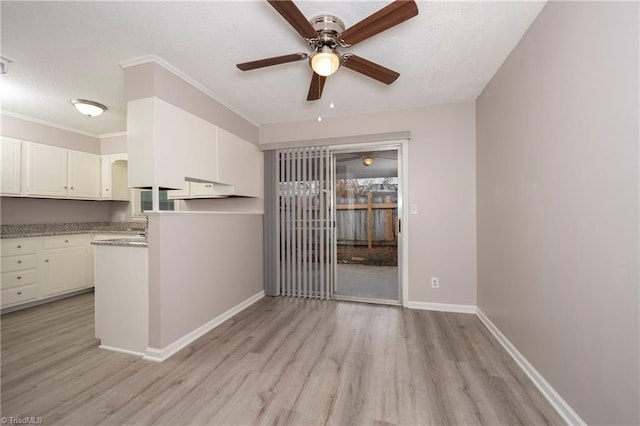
point(413, 208)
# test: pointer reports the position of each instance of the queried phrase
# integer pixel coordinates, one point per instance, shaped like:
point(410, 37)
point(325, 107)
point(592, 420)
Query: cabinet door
point(84, 175)
point(114, 177)
point(120, 177)
point(63, 270)
point(105, 177)
point(239, 164)
point(10, 163)
point(47, 170)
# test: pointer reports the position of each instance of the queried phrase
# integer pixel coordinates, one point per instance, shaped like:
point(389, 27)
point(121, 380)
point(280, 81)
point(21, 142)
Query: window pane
point(147, 204)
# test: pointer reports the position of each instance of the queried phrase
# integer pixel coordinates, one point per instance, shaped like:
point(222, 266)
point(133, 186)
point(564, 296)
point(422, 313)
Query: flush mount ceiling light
point(89, 108)
point(368, 160)
point(325, 62)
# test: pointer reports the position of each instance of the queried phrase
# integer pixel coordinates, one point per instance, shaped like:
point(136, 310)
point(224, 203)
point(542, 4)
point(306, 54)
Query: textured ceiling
point(65, 50)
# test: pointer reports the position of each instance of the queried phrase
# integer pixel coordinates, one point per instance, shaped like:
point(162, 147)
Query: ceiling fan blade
point(276, 60)
point(294, 17)
point(387, 17)
point(317, 84)
point(370, 69)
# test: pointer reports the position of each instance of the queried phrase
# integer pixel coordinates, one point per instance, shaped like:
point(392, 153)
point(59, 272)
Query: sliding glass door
point(366, 225)
point(332, 223)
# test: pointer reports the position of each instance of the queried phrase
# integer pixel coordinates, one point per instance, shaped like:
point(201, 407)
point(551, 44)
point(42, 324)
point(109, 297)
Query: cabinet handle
point(72, 187)
point(19, 262)
point(106, 189)
point(65, 187)
point(19, 293)
point(66, 241)
point(19, 246)
point(46, 260)
point(19, 277)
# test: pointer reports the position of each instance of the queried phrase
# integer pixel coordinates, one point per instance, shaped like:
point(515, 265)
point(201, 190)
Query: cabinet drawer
point(18, 278)
point(18, 263)
point(65, 241)
point(18, 295)
point(13, 247)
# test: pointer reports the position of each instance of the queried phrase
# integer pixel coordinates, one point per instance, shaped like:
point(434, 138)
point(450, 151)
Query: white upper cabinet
point(60, 173)
point(166, 144)
point(10, 162)
point(115, 182)
point(84, 175)
point(239, 164)
point(48, 170)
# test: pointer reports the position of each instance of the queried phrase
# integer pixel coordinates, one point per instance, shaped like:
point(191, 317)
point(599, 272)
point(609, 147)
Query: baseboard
point(442, 307)
point(122, 351)
point(46, 300)
point(161, 354)
point(554, 398)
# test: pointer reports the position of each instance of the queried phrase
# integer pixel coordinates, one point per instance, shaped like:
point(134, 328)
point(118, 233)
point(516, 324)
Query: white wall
point(32, 131)
point(21, 211)
point(558, 184)
point(442, 238)
point(116, 144)
point(200, 266)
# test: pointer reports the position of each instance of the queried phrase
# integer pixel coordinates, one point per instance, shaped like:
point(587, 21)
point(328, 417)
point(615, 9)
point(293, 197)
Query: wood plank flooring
point(281, 361)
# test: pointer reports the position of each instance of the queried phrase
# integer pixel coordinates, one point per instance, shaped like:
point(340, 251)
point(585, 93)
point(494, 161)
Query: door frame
point(402, 146)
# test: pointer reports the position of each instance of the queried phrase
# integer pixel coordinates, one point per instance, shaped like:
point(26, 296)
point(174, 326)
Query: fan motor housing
point(329, 28)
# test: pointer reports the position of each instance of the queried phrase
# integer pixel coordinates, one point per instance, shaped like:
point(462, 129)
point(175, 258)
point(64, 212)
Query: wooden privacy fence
point(369, 220)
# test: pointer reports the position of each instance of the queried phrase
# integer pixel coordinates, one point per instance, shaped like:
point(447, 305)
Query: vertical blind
point(302, 224)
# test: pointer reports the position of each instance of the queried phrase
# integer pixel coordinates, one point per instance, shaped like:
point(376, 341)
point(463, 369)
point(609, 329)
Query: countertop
point(122, 242)
point(49, 229)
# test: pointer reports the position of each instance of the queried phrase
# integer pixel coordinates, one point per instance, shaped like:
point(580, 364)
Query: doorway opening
point(367, 225)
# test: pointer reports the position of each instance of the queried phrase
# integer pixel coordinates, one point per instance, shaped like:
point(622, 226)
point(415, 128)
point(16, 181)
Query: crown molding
point(48, 123)
point(112, 135)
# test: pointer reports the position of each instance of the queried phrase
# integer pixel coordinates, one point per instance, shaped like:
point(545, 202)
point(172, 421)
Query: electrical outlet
point(435, 282)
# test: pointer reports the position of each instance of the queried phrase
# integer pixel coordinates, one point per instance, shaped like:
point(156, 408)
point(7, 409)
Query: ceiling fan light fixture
point(368, 160)
point(325, 62)
point(88, 108)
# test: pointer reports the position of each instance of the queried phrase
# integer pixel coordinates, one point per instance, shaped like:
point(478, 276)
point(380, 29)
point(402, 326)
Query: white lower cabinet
point(37, 268)
point(63, 270)
point(19, 261)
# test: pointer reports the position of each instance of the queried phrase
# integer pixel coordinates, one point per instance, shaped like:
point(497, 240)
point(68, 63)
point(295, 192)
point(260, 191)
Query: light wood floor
point(281, 361)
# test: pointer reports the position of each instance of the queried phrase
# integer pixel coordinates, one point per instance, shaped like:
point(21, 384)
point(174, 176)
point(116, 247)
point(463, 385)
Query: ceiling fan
point(326, 33)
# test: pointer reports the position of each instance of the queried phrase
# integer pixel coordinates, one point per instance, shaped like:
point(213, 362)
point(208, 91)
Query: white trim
point(112, 135)
point(442, 307)
point(342, 142)
point(404, 210)
point(123, 351)
point(159, 355)
point(166, 65)
point(554, 398)
point(388, 302)
point(197, 213)
point(48, 123)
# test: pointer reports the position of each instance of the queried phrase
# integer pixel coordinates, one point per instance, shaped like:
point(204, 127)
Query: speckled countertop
point(122, 242)
point(48, 229)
